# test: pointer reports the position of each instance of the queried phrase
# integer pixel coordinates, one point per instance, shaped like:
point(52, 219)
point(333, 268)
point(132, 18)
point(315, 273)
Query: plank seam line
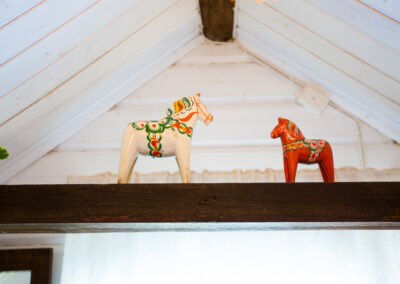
point(332, 43)
point(22, 14)
point(255, 51)
point(320, 58)
point(120, 43)
point(87, 66)
point(377, 11)
point(79, 45)
point(51, 32)
point(390, 49)
point(43, 139)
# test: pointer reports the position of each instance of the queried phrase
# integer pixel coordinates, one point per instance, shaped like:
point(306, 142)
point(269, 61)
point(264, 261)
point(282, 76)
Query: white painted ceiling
point(64, 63)
point(344, 46)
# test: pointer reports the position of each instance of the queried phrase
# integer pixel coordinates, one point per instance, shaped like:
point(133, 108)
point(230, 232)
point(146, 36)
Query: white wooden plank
point(382, 156)
point(65, 95)
point(334, 31)
point(210, 53)
point(211, 82)
point(90, 151)
point(353, 96)
point(325, 50)
point(364, 19)
point(372, 136)
point(254, 120)
point(54, 47)
point(35, 25)
point(74, 114)
point(78, 53)
point(263, 34)
point(390, 8)
point(94, 78)
point(11, 9)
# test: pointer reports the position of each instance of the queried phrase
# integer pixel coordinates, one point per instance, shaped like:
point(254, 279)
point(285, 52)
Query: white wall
point(368, 257)
point(245, 97)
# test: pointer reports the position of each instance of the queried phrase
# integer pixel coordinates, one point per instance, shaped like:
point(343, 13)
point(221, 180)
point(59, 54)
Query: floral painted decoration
point(297, 149)
point(316, 147)
point(154, 129)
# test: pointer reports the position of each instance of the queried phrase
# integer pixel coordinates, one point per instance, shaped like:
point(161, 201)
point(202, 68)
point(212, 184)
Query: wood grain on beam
point(217, 18)
point(369, 203)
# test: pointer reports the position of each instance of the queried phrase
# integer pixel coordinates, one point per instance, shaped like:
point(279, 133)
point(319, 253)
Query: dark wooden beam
point(374, 204)
point(217, 18)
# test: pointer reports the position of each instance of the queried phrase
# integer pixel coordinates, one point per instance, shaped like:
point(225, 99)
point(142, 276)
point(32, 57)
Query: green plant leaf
point(3, 153)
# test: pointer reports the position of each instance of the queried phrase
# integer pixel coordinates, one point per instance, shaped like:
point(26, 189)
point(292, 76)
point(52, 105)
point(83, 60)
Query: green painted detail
point(3, 153)
point(139, 125)
point(187, 103)
point(316, 147)
point(154, 144)
point(169, 112)
point(154, 129)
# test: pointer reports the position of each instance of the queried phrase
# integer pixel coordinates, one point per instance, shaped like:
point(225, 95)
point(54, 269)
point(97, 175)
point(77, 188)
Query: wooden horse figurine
point(298, 149)
point(170, 136)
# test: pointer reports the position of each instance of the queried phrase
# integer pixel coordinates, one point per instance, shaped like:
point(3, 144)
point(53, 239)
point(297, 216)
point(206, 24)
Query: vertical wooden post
point(217, 18)
point(38, 261)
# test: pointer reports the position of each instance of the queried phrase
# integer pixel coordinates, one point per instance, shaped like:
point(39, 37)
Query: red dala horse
point(297, 149)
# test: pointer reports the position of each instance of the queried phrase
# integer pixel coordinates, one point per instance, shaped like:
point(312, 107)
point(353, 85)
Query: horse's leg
point(179, 167)
point(323, 171)
point(128, 156)
point(183, 161)
point(286, 168)
point(292, 161)
point(126, 164)
point(327, 160)
point(131, 168)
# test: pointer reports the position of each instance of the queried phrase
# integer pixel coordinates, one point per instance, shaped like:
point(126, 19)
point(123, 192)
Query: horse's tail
point(127, 156)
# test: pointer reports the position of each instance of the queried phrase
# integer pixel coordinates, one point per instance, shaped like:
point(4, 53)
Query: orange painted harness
point(187, 118)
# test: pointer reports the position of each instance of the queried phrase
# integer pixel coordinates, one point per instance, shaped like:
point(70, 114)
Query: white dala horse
point(170, 136)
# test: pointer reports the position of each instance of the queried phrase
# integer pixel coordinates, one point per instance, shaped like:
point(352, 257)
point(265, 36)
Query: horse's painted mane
point(294, 129)
point(184, 103)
